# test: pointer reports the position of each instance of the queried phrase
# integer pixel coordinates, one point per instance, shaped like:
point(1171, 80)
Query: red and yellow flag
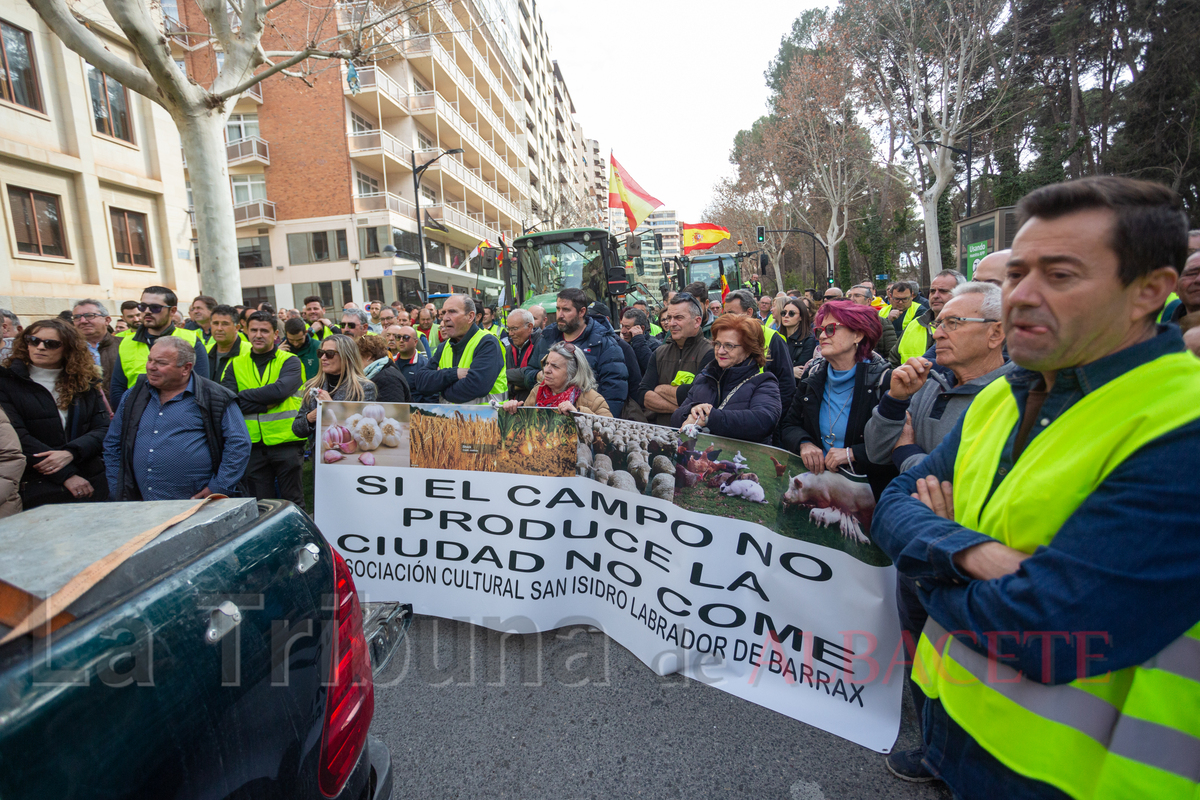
point(724, 289)
point(701, 236)
point(624, 192)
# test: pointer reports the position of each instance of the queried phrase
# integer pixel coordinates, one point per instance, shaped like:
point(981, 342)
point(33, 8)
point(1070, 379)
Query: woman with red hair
point(835, 398)
point(733, 396)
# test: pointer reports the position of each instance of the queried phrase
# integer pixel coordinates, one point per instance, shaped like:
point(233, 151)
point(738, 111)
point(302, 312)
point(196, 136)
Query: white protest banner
point(719, 559)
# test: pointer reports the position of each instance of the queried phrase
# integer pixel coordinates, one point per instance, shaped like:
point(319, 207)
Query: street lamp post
point(816, 241)
point(968, 154)
point(417, 172)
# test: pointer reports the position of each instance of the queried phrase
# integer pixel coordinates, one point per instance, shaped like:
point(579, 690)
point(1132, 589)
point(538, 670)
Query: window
point(406, 243)
point(18, 83)
point(130, 240)
point(220, 61)
point(181, 64)
point(457, 256)
point(252, 296)
point(436, 252)
point(419, 87)
point(360, 124)
point(110, 106)
point(248, 188)
point(253, 252)
point(424, 140)
point(428, 195)
point(314, 247)
point(37, 220)
point(191, 201)
point(170, 9)
point(241, 126)
point(374, 287)
point(366, 184)
point(371, 241)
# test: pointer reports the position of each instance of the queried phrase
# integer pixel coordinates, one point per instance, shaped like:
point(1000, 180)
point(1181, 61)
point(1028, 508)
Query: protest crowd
point(1031, 436)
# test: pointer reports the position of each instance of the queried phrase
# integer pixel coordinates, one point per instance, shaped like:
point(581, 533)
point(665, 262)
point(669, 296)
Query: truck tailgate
point(161, 688)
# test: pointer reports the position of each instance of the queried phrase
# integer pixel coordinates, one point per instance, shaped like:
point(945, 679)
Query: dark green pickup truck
point(227, 658)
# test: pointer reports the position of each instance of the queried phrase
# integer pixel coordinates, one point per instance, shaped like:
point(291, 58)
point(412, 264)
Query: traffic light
point(762, 233)
point(490, 257)
point(658, 242)
point(763, 262)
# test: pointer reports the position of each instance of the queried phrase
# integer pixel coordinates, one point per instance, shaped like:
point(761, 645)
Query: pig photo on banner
point(719, 559)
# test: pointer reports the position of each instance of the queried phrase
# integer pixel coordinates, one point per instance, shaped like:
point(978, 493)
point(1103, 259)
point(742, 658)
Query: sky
point(666, 84)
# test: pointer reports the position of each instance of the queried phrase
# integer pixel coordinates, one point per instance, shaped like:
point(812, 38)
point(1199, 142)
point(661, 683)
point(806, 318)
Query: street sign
point(881, 277)
point(975, 253)
point(387, 273)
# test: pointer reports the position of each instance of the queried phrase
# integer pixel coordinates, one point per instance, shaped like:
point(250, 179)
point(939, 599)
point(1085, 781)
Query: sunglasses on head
point(153, 308)
point(326, 353)
point(50, 344)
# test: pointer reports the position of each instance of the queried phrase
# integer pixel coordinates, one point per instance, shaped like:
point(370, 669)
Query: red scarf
point(548, 399)
point(522, 362)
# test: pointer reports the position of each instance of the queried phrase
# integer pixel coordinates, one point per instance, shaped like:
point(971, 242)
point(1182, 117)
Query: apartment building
point(91, 185)
point(322, 176)
point(661, 221)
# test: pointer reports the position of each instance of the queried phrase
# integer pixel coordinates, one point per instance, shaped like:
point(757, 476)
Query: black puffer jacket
point(803, 422)
point(750, 397)
point(34, 416)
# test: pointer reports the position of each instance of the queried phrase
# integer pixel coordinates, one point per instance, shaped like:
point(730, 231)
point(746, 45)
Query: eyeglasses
point(403, 337)
point(350, 325)
point(326, 353)
point(790, 314)
point(724, 347)
point(829, 330)
point(88, 317)
point(49, 344)
point(153, 308)
point(832, 297)
point(950, 324)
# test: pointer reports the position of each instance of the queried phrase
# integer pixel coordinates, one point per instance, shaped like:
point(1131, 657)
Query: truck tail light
point(350, 701)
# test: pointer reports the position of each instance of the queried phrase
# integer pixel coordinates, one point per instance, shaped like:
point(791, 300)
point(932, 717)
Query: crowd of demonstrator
point(1058, 548)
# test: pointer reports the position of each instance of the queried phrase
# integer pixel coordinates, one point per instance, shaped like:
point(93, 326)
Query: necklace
point(828, 436)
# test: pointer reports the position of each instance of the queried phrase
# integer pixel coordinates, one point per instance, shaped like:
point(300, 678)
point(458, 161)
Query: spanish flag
point(624, 192)
point(701, 236)
point(724, 287)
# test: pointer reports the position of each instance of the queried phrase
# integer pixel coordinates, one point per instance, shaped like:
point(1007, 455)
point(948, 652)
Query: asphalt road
point(468, 713)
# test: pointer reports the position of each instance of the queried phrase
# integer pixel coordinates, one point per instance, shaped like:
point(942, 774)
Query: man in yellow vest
point(157, 306)
point(1052, 535)
point(267, 382)
point(319, 324)
point(917, 337)
point(469, 366)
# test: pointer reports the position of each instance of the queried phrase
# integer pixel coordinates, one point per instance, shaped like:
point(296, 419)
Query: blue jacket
point(751, 414)
point(1126, 563)
point(604, 354)
point(410, 372)
point(644, 346)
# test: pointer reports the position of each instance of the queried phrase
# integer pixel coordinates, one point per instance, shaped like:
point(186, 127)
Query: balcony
point(254, 94)
point(384, 200)
point(456, 215)
point(379, 149)
point(256, 212)
point(251, 150)
point(387, 27)
point(472, 179)
point(375, 84)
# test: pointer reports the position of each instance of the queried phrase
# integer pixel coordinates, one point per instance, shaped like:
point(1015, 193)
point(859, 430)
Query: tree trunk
point(203, 135)
point(933, 241)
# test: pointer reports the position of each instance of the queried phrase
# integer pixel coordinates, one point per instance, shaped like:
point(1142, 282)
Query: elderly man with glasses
point(404, 346)
point(92, 320)
point(520, 342)
point(355, 322)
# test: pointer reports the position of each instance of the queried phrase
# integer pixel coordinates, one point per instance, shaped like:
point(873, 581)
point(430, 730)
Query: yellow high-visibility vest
point(275, 426)
point(135, 354)
point(1130, 734)
point(447, 361)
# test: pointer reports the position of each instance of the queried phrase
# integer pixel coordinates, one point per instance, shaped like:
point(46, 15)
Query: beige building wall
point(57, 151)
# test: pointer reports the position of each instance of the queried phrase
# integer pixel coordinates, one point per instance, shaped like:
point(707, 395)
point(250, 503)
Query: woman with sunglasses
point(835, 397)
point(567, 384)
point(733, 396)
point(795, 323)
point(339, 377)
point(50, 388)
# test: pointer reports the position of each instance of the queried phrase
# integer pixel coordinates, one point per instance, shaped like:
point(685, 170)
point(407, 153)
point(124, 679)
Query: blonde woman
point(339, 377)
point(567, 384)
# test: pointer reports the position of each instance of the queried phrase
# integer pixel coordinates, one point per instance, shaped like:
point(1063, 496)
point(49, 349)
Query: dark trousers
point(912, 621)
point(277, 465)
